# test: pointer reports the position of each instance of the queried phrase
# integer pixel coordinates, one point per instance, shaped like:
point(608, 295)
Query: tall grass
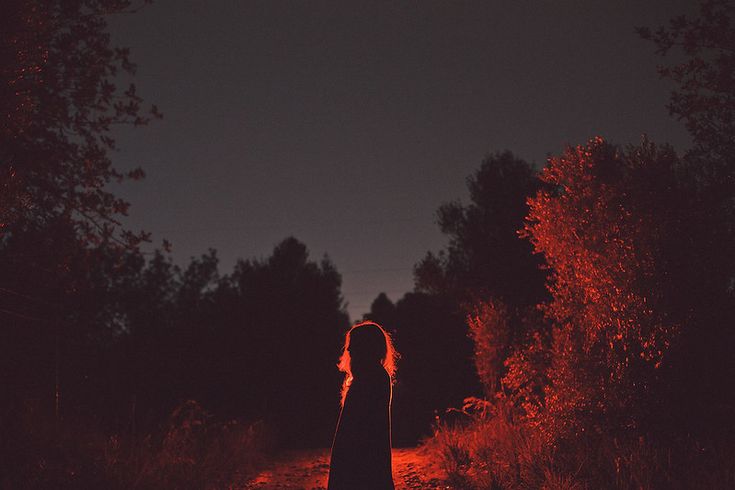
point(492, 448)
point(192, 451)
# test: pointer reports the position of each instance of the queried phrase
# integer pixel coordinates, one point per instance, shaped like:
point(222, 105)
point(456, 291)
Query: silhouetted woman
point(361, 452)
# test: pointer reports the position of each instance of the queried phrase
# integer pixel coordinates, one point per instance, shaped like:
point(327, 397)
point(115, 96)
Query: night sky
point(347, 124)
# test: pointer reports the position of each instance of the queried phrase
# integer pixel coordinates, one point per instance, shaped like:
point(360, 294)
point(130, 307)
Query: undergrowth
point(490, 448)
point(192, 451)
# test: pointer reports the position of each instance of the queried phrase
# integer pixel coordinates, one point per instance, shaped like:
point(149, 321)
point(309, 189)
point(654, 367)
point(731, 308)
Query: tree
point(59, 102)
point(435, 369)
point(273, 330)
point(602, 226)
point(705, 79)
point(59, 224)
point(704, 98)
point(21, 57)
point(485, 261)
point(382, 311)
point(259, 343)
point(487, 271)
point(485, 257)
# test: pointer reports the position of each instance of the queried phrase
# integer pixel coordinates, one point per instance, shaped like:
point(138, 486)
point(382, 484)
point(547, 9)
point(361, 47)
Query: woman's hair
point(366, 342)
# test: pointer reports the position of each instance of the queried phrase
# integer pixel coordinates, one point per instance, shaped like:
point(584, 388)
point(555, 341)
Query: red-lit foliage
point(511, 352)
point(490, 333)
point(388, 354)
point(526, 373)
point(600, 391)
point(599, 226)
point(496, 449)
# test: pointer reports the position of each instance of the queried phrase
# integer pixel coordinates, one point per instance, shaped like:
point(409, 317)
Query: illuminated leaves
point(490, 331)
point(598, 225)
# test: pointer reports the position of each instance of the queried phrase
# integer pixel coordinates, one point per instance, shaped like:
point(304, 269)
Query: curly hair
point(374, 342)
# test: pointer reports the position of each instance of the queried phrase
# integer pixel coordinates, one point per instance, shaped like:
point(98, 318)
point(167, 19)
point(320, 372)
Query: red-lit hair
point(387, 354)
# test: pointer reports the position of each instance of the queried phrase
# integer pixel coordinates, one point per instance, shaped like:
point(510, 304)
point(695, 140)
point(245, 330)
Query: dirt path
point(413, 469)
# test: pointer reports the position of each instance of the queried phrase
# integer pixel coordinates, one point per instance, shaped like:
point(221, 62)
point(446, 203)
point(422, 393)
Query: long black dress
point(361, 452)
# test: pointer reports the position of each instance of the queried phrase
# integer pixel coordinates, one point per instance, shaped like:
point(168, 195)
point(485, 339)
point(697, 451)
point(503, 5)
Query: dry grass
point(493, 450)
point(192, 452)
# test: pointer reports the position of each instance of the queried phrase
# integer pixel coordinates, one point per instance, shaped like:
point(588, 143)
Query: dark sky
point(346, 124)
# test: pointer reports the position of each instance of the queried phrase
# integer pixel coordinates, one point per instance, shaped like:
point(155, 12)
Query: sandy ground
point(413, 469)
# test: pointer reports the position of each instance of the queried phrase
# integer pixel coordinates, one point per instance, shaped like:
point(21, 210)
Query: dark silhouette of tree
point(702, 264)
point(22, 56)
point(484, 260)
point(435, 370)
point(61, 312)
point(141, 364)
point(276, 327)
point(485, 257)
point(382, 310)
point(63, 254)
point(60, 102)
point(705, 80)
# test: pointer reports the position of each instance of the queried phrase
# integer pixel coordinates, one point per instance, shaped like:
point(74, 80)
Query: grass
point(192, 451)
point(494, 450)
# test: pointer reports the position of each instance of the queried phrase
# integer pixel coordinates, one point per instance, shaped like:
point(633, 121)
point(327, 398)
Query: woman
point(361, 451)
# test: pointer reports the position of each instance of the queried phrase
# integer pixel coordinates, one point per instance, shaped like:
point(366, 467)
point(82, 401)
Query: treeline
point(608, 367)
point(583, 310)
point(118, 368)
point(98, 345)
point(123, 340)
point(618, 376)
point(484, 258)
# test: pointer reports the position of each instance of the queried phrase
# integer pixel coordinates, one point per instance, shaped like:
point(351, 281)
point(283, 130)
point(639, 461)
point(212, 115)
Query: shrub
point(493, 448)
point(193, 451)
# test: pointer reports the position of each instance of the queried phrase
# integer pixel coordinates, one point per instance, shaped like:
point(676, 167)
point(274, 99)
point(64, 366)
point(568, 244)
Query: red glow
point(390, 357)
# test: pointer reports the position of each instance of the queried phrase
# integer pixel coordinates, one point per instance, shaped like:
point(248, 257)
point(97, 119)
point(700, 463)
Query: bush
point(493, 448)
point(193, 451)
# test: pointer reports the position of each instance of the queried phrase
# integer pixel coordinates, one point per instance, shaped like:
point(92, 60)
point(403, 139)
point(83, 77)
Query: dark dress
point(361, 452)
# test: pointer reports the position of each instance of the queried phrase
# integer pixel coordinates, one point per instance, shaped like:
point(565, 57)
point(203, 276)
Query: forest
point(575, 332)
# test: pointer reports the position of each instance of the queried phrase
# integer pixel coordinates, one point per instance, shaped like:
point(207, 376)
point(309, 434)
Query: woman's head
point(367, 346)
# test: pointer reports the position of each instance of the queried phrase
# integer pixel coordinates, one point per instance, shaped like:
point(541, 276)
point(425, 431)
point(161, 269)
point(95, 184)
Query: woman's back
point(361, 452)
